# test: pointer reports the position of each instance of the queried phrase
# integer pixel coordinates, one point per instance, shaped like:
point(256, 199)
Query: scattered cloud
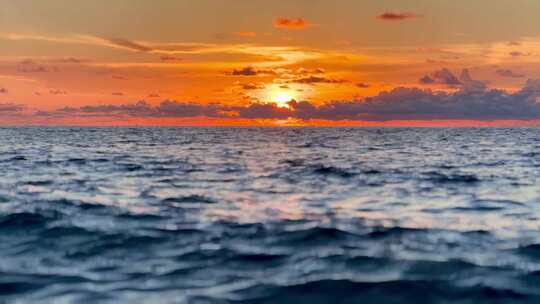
point(129, 44)
point(390, 16)
point(518, 54)
point(288, 23)
point(315, 80)
point(252, 86)
point(72, 60)
point(446, 77)
point(166, 108)
point(362, 85)
point(251, 71)
point(508, 73)
point(57, 92)
point(427, 80)
point(10, 108)
point(169, 58)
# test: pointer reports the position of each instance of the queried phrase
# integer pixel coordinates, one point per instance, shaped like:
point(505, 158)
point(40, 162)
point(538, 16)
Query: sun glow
point(281, 98)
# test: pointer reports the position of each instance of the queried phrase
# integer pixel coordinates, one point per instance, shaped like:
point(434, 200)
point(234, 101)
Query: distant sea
point(269, 215)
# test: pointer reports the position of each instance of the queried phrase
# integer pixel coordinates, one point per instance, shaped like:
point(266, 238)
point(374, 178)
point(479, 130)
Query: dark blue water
point(269, 215)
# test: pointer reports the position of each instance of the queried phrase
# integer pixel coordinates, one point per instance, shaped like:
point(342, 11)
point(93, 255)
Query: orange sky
point(89, 63)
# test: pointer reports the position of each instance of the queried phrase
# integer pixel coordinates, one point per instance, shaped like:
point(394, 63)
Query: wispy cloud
point(392, 16)
point(290, 23)
point(508, 73)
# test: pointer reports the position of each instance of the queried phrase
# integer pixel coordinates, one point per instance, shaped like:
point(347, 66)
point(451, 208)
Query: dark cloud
point(3, 91)
point(128, 44)
point(33, 69)
point(153, 95)
point(30, 66)
point(166, 108)
point(389, 16)
point(169, 58)
point(117, 94)
point(508, 73)
point(315, 80)
point(415, 104)
point(426, 79)
point(445, 77)
point(288, 23)
point(10, 108)
point(362, 85)
point(518, 54)
point(472, 101)
point(470, 85)
point(72, 60)
point(251, 71)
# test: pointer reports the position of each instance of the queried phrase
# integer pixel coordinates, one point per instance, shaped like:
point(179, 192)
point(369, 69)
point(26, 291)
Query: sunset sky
point(240, 62)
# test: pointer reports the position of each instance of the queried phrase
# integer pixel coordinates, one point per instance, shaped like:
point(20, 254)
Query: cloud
point(390, 16)
point(3, 91)
point(57, 92)
point(10, 108)
point(167, 108)
point(252, 86)
point(169, 58)
point(518, 54)
point(251, 71)
point(470, 85)
point(508, 73)
point(315, 80)
point(117, 94)
point(414, 104)
point(131, 45)
point(153, 95)
point(426, 79)
point(72, 60)
point(362, 85)
point(402, 103)
point(288, 23)
point(304, 71)
point(30, 66)
point(446, 77)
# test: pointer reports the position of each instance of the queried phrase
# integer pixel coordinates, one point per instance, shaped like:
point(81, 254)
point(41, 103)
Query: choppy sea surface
point(269, 215)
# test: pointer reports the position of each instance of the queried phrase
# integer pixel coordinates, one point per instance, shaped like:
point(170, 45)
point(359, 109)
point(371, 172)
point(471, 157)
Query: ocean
point(269, 215)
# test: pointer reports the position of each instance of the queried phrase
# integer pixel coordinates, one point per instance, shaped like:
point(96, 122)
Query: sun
point(281, 98)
